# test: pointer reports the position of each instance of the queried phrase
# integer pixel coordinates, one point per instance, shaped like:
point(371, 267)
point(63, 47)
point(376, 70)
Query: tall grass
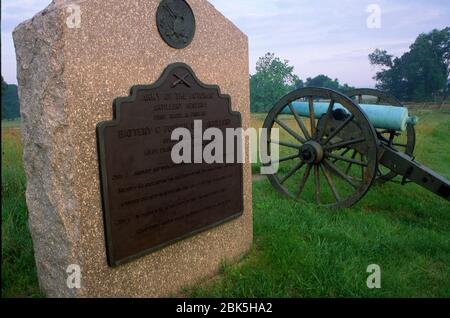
point(18, 267)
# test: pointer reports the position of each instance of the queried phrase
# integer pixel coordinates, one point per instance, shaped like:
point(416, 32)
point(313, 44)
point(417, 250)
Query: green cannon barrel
point(381, 116)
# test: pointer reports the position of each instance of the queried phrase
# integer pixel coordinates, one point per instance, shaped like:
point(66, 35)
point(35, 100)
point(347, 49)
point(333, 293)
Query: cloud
point(325, 36)
point(332, 37)
point(16, 11)
point(8, 58)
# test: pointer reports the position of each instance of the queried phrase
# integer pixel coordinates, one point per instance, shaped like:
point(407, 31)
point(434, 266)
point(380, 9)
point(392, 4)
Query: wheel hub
point(311, 152)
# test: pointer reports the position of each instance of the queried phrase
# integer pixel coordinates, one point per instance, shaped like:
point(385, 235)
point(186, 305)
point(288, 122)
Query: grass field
point(299, 250)
point(18, 268)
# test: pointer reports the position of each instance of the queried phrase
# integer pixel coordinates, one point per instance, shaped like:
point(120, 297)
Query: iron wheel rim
point(321, 169)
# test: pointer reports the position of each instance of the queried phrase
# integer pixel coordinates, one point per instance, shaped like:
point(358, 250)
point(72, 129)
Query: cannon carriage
point(334, 147)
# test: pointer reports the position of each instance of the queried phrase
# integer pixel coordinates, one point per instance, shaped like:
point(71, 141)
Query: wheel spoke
point(343, 154)
point(291, 173)
point(317, 182)
point(290, 131)
point(342, 126)
point(299, 121)
point(351, 161)
point(362, 167)
point(391, 139)
point(345, 143)
point(286, 144)
point(399, 145)
point(351, 164)
point(286, 159)
point(332, 167)
point(327, 119)
point(383, 138)
point(379, 173)
point(312, 117)
point(303, 181)
point(330, 183)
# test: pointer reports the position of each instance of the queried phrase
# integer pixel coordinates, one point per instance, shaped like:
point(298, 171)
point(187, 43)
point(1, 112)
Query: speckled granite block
point(68, 79)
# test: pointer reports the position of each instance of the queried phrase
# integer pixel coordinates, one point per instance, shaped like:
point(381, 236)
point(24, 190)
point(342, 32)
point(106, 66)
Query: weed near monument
point(18, 268)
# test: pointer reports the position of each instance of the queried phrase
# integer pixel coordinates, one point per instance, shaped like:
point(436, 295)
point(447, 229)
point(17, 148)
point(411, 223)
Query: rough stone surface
point(68, 79)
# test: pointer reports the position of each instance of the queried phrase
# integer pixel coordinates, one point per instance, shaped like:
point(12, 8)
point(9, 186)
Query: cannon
point(334, 147)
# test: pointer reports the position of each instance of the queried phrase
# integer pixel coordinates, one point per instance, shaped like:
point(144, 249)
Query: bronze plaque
point(148, 200)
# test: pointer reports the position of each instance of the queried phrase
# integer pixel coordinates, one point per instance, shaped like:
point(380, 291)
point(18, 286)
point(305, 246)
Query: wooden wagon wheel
point(316, 151)
point(402, 141)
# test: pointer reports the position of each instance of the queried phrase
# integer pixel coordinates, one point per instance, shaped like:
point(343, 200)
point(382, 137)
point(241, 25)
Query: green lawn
point(299, 250)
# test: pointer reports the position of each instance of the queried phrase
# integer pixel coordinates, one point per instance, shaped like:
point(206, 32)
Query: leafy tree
point(419, 74)
point(273, 79)
point(10, 101)
point(379, 57)
point(346, 88)
point(4, 87)
point(324, 81)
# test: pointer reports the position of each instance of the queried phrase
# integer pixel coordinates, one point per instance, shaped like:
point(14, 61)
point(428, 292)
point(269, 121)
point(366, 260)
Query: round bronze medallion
point(176, 23)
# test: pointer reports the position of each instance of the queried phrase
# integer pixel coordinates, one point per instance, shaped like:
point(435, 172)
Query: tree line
point(421, 74)
point(10, 101)
point(274, 78)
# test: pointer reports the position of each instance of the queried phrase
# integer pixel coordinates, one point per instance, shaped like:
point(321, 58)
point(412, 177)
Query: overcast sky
point(317, 36)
